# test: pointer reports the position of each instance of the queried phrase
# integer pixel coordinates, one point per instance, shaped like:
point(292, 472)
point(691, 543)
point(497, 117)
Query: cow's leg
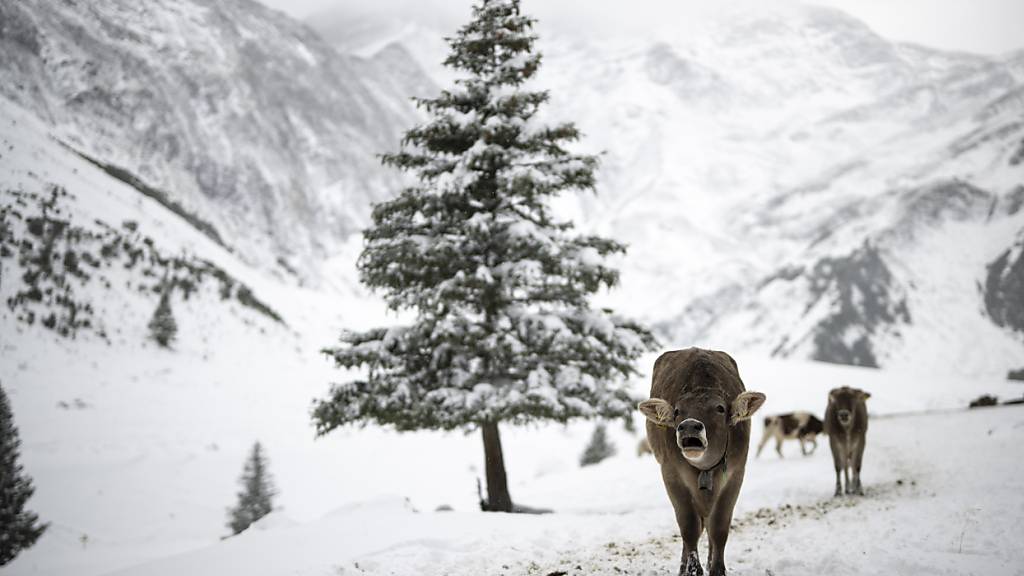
point(814, 444)
point(837, 460)
point(711, 550)
point(857, 458)
point(803, 448)
point(778, 444)
point(689, 521)
point(764, 440)
point(846, 468)
point(690, 526)
point(718, 526)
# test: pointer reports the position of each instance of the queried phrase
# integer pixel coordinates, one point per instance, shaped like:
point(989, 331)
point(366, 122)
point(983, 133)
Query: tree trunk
point(498, 498)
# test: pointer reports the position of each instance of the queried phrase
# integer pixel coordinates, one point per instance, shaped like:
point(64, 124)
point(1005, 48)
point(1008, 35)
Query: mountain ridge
point(739, 159)
point(788, 137)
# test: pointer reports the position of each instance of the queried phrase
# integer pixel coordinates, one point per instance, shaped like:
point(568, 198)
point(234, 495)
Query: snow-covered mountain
point(259, 133)
point(790, 182)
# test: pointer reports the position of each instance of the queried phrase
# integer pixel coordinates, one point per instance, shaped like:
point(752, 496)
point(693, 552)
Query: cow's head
point(702, 420)
point(844, 403)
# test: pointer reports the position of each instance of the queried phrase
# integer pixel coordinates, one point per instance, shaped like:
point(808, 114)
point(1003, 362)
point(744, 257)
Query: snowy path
point(949, 502)
point(944, 496)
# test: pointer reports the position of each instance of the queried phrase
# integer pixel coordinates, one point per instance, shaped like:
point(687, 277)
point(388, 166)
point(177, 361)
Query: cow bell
point(705, 481)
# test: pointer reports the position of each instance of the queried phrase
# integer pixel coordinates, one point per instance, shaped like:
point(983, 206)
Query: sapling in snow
point(599, 447)
point(497, 287)
point(163, 329)
point(255, 500)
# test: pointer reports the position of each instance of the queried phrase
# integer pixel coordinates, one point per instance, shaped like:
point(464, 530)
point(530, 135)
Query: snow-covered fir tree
point(598, 448)
point(162, 327)
point(256, 499)
point(19, 528)
point(503, 331)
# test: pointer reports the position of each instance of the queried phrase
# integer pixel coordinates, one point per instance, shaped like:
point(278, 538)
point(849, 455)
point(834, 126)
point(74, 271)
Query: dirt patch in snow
point(757, 529)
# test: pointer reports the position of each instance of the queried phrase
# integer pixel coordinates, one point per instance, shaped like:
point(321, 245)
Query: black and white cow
point(802, 426)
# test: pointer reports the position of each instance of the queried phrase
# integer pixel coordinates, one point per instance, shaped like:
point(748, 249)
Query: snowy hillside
point(83, 257)
point(788, 181)
point(244, 117)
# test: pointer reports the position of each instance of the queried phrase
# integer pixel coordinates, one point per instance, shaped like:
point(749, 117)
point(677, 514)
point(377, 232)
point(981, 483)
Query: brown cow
point(699, 430)
point(846, 423)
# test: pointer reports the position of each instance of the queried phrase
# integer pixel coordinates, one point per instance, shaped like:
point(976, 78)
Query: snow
point(164, 475)
point(157, 449)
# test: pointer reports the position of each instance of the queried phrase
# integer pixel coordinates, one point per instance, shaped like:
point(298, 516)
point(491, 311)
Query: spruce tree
point(19, 528)
point(598, 448)
point(255, 500)
point(498, 287)
point(162, 327)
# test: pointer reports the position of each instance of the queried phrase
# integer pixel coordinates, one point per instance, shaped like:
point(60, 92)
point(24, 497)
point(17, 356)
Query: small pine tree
point(19, 528)
point(162, 327)
point(255, 500)
point(599, 447)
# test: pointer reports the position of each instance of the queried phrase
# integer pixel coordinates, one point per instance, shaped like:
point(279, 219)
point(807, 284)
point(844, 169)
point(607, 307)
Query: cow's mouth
point(692, 445)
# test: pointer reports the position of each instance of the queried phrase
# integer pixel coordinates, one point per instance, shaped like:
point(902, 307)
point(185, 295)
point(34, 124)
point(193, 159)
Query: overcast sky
point(982, 26)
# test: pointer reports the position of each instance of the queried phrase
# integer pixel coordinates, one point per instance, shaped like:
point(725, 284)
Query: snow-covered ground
point(141, 473)
point(941, 498)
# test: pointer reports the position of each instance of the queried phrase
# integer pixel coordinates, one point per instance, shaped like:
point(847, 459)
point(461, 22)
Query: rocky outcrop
point(1004, 287)
point(863, 302)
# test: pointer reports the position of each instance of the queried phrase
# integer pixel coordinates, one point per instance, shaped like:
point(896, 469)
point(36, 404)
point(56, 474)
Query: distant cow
point(802, 426)
point(846, 423)
point(643, 447)
point(699, 430)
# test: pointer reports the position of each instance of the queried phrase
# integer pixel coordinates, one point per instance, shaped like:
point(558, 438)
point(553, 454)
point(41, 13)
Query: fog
point(982, 26)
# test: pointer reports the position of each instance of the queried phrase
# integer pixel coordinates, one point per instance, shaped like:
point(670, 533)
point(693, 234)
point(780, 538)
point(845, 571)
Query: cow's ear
point(832, 394)
point(864, 395)
point(744, 406)
point(657, 410)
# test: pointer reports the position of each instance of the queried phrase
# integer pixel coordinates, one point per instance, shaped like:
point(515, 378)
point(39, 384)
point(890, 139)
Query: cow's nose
point(690, 426)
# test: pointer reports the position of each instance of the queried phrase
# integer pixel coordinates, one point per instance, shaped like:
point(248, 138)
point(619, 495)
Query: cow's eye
point(720, 409)
point(676, 413)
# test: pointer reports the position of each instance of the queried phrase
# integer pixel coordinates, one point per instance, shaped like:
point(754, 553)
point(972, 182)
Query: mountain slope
point(242, 115)
point(754, 152)
point(132, 446)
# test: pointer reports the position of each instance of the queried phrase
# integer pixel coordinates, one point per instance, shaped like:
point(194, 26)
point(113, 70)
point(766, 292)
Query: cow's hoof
point(691, 567)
